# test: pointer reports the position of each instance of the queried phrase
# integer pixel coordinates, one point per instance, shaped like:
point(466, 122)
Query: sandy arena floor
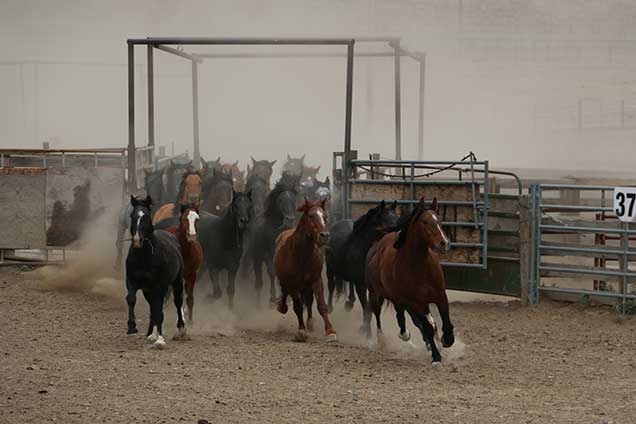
point(65, 357)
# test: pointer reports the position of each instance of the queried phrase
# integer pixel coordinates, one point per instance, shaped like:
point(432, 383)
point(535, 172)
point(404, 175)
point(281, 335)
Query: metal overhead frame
point(164, 44)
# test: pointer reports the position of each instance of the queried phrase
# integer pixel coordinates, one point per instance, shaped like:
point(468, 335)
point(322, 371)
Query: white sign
point(625, 203)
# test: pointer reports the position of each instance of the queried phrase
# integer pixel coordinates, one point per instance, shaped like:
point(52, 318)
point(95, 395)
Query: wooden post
point(524, 246)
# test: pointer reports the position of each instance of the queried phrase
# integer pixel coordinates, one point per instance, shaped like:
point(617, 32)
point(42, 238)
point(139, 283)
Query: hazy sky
point(521, 83)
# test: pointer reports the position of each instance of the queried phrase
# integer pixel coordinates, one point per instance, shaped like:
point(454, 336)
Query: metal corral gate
point(578, 246)
point(463, 200)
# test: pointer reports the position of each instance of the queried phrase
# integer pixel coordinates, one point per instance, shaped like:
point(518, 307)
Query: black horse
point(154, 265)
point(346, 252)
point(217, 191)
point(279, 215)
point(222, 241)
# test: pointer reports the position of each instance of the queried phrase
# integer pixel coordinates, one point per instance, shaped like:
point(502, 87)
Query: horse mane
point(415, 213)
point(361, 223)
point(286, 183)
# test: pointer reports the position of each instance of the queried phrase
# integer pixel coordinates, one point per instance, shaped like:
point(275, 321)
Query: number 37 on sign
point(625, 203)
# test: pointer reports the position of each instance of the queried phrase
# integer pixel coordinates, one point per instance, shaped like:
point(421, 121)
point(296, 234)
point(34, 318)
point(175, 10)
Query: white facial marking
point(322, 192)
point(440, 229)
point(192, 219)
point(321, 215)
point(137, 236)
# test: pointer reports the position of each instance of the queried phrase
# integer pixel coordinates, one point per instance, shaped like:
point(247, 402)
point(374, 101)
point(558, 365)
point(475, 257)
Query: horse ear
point(148, 200)
point(434, 205)
point(394, 205)
point(218, 160)
point(272, 163)
point(133, 200)
point(382, 204)
point(327, 181)
point(235, 164)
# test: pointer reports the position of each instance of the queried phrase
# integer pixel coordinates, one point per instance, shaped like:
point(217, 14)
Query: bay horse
point(404, 268)
point(154, 265)
point(189, 192)
point(298, 265)
point(346, 253)
point(217, 192)
point(279, 214)
point(222, 241)
point(172, 177)
point(191, 251)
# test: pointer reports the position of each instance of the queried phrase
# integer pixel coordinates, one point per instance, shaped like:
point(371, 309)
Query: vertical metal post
point(420, 122)
point(532, 277)
point(398, 112)
point(151, 95)
point(485, 213)
point(132, 169)
point(347, 144)
point(625, 263)
point(195, 114)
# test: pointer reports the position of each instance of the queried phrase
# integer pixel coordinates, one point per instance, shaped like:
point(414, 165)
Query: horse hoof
point(132, 331)
point(301, 336)
point(310, 325)
point(159, 344)
point(437, 364)
point(348, 306)
point(181, 335)
point(152, 338)
point(406, 336)
point(331, 337)
point(282, 308)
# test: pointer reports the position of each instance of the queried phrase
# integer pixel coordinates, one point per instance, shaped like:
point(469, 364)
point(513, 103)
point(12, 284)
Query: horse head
point(280, 204)
point(141, 228)
point(294, 166)
point(425, 227)
point(261, 168)
point(154, 184)
point(190, 188)
point(310, 173)
point(314, 222)
point(189, 221)
point(217, 191)
point(241, 209)
point(378, 218)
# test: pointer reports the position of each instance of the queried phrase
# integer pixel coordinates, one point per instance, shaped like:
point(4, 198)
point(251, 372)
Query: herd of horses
point(216, 219)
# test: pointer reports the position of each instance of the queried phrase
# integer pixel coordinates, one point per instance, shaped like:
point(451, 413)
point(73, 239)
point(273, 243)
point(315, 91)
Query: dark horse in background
point(222, 241)
point(154, 265)
point(346, 253)
point(404, 268)
point(279, 215)
point(217, 191)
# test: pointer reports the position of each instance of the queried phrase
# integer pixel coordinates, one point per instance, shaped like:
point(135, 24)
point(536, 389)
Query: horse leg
point(231, 287)
point(361, 289)
point(177, 294)
point(301, 336)
point(282, 303)
point(377, 310)
point(131, 300)
point(308, 299)
point(427, 331)
point(190, 279)
point(331, 286)
point(401, 319)
point(269, 262)
point(319, 294)
point(214, 280)
point(156, 310)
point(429, 317)
point(448, 337)
point(352, 297)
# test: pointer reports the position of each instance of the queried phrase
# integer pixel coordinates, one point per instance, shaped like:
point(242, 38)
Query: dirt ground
point(65, 357)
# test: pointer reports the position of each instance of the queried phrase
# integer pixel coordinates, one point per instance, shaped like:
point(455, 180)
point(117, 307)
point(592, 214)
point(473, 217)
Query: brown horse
point(404, 268)
point(298, 265)
point(189, 193)
point(191, 251)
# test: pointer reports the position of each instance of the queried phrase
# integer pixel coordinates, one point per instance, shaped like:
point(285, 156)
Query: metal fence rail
point(542, 225)
point(416, 174)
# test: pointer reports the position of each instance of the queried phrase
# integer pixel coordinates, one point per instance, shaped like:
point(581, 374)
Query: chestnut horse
point(404, 268)
point(298, 265)
point(189, 193)
point(191, 251)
